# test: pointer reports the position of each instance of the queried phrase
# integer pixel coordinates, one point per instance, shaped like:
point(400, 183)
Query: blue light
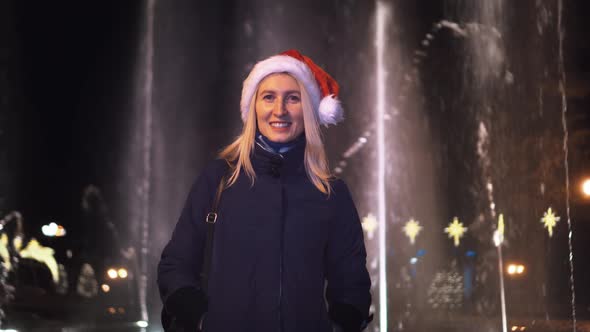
point(420, 253)
point(470, 253)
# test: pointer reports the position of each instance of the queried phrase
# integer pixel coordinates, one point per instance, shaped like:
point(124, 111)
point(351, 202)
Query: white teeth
point(280, 124)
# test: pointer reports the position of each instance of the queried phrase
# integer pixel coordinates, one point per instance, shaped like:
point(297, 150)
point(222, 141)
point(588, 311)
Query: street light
point(515, 269)
point(112, 273)
point(122, 273)
point(586, 187)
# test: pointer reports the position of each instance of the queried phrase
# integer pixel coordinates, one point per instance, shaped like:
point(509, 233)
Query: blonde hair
point(238, 153)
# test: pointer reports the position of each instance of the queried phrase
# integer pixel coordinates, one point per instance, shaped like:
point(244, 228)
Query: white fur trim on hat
point(285, 64)
point(330, 111)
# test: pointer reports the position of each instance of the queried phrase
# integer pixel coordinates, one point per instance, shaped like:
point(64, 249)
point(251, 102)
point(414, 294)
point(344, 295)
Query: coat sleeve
point(181, 260)
point(348, 281)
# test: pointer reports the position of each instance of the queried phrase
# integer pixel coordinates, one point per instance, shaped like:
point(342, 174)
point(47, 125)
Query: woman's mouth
point(280, 124)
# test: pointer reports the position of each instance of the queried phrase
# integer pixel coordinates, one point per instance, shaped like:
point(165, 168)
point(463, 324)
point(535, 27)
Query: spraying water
point(561, 69)
point(146, 151)
point(383, 13)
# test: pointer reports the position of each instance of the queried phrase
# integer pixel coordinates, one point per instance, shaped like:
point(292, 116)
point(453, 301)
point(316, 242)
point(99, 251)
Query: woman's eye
point(293, 99)
point(268, 98)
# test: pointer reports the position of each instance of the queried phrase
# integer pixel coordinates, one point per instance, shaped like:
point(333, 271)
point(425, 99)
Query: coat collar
point(277, 164)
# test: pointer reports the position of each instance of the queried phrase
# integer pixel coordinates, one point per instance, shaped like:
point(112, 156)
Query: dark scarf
point(278, 147)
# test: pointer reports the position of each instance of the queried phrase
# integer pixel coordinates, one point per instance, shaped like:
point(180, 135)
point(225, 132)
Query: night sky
point(75, 66)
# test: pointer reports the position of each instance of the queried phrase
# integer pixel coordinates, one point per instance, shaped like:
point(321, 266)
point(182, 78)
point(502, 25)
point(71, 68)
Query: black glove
point(183, 310)
point(348, 318)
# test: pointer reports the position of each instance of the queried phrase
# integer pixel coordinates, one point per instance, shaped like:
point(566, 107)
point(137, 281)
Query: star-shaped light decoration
point(455, 230)
point(499, 232)
point(550, 220)
point(412, 228)
point(369, 225)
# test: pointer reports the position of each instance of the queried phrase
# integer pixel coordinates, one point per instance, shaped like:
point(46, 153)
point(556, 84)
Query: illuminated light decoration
point(112, 310)
point(122, 273)
point(499, 232)
point(61, 231)
point(369, 225)
point(53, 229)
point(498, 239)
point(105, 288)
point(112, 273)
point(455, 231)
point(34, 250)
point(550, 220)
point(412, 228)
point(17, 242)
point(4, 254)
point(121, 310)
point(586, 187)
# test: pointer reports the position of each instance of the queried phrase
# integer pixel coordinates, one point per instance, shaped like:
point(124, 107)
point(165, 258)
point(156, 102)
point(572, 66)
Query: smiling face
point(279, 111)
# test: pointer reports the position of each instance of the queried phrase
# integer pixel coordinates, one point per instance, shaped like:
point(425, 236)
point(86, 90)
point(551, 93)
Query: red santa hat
point(321, 87)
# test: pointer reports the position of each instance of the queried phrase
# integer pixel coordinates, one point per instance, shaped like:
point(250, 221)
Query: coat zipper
point(281, 329)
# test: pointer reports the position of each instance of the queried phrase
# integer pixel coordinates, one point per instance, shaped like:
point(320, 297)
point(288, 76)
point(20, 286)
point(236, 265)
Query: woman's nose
point(279, 107)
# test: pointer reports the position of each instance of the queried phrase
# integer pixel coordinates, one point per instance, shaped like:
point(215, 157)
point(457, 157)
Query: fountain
point(466, 73)
point(454, 158)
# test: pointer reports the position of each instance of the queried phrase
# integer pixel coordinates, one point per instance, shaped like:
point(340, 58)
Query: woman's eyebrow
point(274, 92)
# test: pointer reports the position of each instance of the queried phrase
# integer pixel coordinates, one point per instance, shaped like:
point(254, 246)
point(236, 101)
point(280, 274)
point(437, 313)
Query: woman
point(287, 232)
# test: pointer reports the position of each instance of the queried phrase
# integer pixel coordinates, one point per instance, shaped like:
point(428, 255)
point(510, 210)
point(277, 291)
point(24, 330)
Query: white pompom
point(330, 111)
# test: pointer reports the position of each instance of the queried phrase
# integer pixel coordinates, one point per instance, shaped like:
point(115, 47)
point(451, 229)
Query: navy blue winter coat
point(276, 243)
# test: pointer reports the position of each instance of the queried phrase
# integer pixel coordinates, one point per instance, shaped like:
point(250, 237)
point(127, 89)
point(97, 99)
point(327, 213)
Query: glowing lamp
point(511, 269)
point(122, 273)
point(112, 273)
point(515, 269)
point(586, 187)
point(53, 229)
point(141, 323)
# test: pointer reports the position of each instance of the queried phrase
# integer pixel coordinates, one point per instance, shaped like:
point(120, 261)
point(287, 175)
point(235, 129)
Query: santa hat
point(321, 87)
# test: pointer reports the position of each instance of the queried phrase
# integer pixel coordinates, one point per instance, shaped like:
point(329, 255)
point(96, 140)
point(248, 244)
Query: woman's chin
point(280, 139)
